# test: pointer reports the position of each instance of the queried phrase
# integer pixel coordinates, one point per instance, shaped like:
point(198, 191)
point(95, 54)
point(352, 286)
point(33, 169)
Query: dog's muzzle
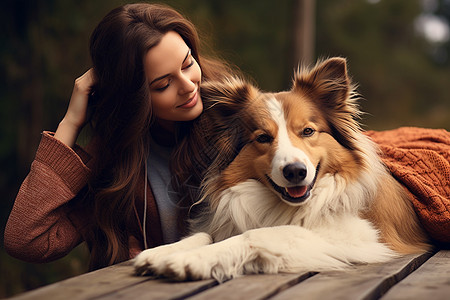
point(295, 173)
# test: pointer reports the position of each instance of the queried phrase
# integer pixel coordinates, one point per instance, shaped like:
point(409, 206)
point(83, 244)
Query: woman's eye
point(308, 132)
point(163, 86)
point(190, 63)
point(264, 138)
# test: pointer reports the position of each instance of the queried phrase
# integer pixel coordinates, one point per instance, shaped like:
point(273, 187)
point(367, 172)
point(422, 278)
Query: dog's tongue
point(297, 191)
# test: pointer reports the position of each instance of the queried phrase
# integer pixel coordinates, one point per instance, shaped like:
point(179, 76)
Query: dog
point(306, 190)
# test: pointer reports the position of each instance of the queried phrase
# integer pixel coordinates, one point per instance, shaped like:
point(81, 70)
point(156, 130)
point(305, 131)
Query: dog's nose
point(295, 172)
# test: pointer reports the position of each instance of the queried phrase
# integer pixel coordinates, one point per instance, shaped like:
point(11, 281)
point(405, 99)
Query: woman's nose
point(187, 84)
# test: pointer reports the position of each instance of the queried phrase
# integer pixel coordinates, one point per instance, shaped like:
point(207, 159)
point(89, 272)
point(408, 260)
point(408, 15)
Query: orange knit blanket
point(420, 160)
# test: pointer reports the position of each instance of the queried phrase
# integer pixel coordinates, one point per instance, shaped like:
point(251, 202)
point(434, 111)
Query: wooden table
point(425, 276)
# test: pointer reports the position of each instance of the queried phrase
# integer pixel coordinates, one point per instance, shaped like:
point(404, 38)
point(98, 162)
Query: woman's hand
point(75, 117)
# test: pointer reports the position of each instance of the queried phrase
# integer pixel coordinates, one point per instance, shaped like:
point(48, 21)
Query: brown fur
point(393, 214)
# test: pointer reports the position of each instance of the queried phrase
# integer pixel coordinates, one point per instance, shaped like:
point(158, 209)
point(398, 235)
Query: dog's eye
point(308, 132)
point(264, 138)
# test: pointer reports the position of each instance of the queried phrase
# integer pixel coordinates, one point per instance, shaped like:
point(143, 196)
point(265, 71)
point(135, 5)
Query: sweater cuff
point(64, 161)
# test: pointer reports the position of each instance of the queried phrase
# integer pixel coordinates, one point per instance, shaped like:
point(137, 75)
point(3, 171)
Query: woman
point(143, 91)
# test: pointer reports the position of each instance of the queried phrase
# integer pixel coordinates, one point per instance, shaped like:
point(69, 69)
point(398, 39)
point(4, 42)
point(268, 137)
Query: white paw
point(197, 264)
point(145, 262)
point(183, 266)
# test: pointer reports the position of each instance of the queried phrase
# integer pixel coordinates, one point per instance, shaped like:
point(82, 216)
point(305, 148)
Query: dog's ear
point(222, 129)
point(227, 97)
point(327, 83)
point(329, 87)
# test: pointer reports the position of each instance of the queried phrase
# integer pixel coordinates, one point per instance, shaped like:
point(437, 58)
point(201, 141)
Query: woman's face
point(174, 78)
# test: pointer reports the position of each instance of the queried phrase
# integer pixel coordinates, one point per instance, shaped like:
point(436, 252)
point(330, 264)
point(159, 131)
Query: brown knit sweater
point(42, 227)
point(420, 160)
point(44, 223)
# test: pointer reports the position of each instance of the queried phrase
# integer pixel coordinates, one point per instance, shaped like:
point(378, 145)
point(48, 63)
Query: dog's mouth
point(295, 194)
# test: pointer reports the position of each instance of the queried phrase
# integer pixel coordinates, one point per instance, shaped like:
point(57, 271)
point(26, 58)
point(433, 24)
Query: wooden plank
point(430, 278)
point(160, 289)
point(430, 281)
point(360, 282)
point(88, 285)
point(252, 287)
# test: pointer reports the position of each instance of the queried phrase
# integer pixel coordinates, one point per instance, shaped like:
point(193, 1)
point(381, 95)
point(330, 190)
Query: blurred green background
point(398, 52)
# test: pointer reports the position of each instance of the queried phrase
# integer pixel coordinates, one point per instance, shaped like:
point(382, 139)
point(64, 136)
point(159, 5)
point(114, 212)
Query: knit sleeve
point(39, 228)
point(420, 160)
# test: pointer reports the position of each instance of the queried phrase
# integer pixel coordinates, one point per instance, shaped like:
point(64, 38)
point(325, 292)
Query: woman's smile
point(192, 101)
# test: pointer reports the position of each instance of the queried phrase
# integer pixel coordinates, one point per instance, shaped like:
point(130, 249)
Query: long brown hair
point(121, 115)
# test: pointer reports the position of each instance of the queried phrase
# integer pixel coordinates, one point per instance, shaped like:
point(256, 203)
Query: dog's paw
point(148, 260)
point(145, 260)
point(184, 266)
point(198, 264)
point(212, 261)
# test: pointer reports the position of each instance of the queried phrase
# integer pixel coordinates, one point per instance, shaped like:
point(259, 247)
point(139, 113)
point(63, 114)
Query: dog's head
point(285, 140)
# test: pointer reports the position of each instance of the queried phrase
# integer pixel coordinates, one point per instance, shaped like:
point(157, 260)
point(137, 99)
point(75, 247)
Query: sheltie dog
point(306, 191)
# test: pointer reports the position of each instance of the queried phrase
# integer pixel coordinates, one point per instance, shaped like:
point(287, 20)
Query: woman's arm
point(75, 117)
point(39, 228)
